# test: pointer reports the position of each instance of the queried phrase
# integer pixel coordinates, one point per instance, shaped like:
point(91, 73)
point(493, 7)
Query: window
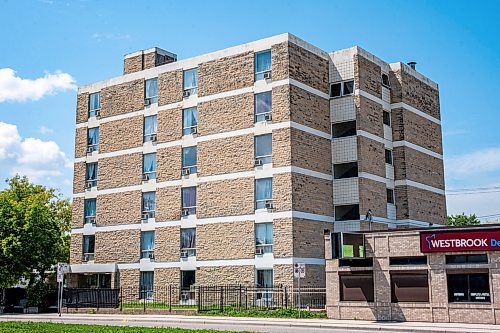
point(264, 193)
point(189, 121)
point(388, 156)
point(340, 89)
point(189, 160)
point(149, 166)
point(341, 130)
point(190, 82)
point(151, 91)
point(357, 286)
point(263, 106)
point(188, 242)
point(346, 212)
point(345, 170)
point(263, 65)
point(264, 149)
point(90, 211)
point(263, 238)
point(150, 128)
point(188, 279)
point(387, 118)
point(385, 80)
point(403, 261)
point(147, 244)
point(148, 205)
point(409, 287)
point(472, 287)
point(390, 196)
point(94, 104)
point(467, 259)
point(88, 247)
point(91, 175)
point(94, 281)
point(264, 278)
point(357, 262)
point(146, 285)
point(188, 201)
point(92, 139)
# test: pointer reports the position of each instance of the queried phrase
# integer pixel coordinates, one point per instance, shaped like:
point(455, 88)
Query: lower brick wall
point(78, 211)
point(308, 238)
point(315, 276)
point(244, 275)
point(167, 243)
point(418, 204)
point(166, 276)
point(129, 282)
point(372, 195)
point(120, 246)
point(76, 249)
point(231, 240)
point(118, 208)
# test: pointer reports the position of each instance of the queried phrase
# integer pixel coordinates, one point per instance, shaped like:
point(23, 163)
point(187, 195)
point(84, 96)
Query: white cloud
point(481, 204)
point(32, 157)
point(16, 89)
point(110, 36)
point(475, 163)
point(46, 130)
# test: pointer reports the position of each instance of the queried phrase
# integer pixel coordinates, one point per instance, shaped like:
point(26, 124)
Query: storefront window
point(467, 259)
point(471, 287)
point(409, 287)
point(357, 286)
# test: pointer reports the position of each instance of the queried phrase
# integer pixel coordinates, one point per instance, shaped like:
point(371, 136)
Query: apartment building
point(228, 167)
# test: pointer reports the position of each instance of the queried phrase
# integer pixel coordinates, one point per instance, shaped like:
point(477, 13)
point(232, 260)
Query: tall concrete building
point(227, 167)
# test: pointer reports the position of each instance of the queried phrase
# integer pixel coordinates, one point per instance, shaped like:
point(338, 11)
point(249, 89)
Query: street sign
point(62, 268)
point(299, 270)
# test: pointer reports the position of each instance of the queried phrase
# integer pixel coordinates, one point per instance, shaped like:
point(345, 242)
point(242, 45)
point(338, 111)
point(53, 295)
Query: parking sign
point(299, 270)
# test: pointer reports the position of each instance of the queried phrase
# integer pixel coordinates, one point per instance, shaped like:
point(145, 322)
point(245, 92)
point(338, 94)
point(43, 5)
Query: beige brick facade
point(226, 114)
point(419, 167)
point(236, 71)
point(122, 98)
point(374, 197)
point(419, 204)
point(79, 172)
point(118, 246)
point(167, 243)
point(367, 76)
point(222, 241)
point(371, 156)
point(169, 125)
point(169, 87)
point(76, 249)
point(308, 109)
point(316, 195)
point(121, 134)
point(168, 203)
point(311, 152)
point(78, 210)
point(308, 68)
point(168, 163)
point(369, 116)
point(81, 142)
point(222, 275)
point(82, 108)
point(118, 208)
point(224, 156)
point(120, 171)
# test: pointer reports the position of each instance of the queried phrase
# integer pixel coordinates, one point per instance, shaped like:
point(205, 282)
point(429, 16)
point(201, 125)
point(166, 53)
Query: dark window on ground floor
point(409, 287)
point(357, 286)
point(467, 259)
point(399, 261)
point(469, 287)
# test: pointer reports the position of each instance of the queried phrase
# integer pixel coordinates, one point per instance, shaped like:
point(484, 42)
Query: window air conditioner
point(147, 101)
point(258, 162)
point(90, 150)
point(186, 93)
point(194, 130)
point(185, 211)
point(97, 113)
point(89, 184)
point(90, 220)
point(145, 177)
point(185, 171)
point(153, 137)
point(184, 253)
point(259, 251)
point(267, 75)
point(267, 117)
point(151, 255)
point(269, 205)
point(144, 216)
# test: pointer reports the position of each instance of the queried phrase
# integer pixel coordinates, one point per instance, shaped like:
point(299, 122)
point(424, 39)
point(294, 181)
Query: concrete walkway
point(253, 324)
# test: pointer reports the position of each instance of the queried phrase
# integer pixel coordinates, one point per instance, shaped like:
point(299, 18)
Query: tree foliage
point(461, 220)
point(34, 231)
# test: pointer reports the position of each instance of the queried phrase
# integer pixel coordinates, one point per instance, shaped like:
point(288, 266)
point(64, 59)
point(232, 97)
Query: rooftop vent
point(412, 64)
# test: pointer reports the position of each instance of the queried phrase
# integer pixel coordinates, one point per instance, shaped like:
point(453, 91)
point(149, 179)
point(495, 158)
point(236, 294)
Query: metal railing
point(199, 298)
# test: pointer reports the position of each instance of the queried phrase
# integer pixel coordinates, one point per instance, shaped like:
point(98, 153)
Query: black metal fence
point(199, 298)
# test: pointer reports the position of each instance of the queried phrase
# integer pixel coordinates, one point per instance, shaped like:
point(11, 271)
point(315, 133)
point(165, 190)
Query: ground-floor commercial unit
point(434, 275)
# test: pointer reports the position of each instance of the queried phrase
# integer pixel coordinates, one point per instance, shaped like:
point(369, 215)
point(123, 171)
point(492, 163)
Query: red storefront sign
point(454, 241)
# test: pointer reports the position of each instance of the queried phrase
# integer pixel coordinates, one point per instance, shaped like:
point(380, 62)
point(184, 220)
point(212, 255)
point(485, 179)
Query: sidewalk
point(259, 324)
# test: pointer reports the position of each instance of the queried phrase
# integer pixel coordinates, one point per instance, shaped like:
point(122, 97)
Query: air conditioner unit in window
point(89, 184)
point(97, 113)
point(153, 137)
point(90, 150)
point(186, 171)
point(145, 177)
point(90, 220)
point(147, 101)
point(269, 205)
point(258, 162)
point(151, 255)
point(185, 211)
point(268, 117)
point(194, 130)
point(259, 251)
point(186, 93)
point(267, 75)
point(184, 253)
point(88, 257)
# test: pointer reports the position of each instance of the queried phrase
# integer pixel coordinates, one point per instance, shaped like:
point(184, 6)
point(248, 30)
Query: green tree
point(34, 232)
point(461, 220)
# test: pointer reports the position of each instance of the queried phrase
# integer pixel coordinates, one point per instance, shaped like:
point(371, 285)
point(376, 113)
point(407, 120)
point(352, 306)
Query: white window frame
point(263, 72)
point(342, 84)
point(94, 112)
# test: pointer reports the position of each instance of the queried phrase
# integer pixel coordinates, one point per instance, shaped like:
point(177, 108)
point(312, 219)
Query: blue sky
point(69, 43)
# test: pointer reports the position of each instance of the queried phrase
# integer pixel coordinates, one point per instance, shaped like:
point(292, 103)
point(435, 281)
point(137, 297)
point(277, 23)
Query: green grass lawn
point(280, 313)
point(26, 327)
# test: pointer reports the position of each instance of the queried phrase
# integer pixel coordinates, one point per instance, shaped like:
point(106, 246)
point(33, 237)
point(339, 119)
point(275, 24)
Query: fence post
point(143, 299)
point(170, 298)
point(286, 298)
point(198, 297)
point(121, 299)
point(239, 298)
point(221, 299)
point(246, 298)
point(98, 298)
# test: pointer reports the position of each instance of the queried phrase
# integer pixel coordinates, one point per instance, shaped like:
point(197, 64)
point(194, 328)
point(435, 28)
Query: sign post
point(299, 272)
point(62, 268)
